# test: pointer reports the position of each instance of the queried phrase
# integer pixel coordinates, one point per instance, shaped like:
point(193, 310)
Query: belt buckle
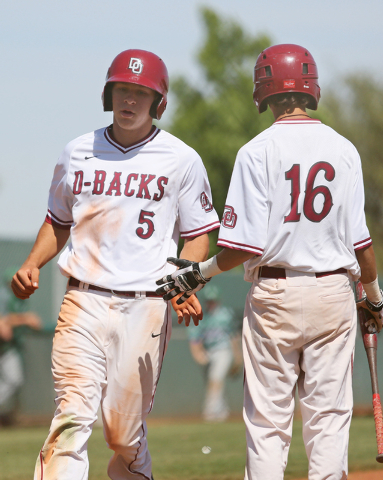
point(140, 296)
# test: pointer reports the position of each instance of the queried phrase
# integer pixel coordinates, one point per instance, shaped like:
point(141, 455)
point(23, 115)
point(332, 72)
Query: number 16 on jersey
point(310, 192)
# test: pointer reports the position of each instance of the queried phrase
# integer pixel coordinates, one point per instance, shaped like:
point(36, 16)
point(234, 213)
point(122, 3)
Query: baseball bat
point(370, 342)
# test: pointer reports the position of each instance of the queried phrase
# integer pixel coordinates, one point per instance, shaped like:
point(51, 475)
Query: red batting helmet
point(142, 68)
point(285, 68)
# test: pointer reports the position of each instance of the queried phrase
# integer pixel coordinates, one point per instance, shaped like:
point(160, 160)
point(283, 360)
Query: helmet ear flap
point(107, 97)
point(158, 107)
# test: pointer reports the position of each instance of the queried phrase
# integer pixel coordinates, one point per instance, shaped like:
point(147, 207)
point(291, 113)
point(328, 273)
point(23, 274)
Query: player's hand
point(191, 308)
point(25, 282)
point(188, 279)
point(376, 318)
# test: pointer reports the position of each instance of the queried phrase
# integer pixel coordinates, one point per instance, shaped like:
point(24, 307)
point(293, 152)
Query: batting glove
point(374, 311)
point(188, 279)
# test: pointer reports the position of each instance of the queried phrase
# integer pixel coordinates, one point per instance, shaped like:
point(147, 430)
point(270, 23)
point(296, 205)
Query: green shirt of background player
point(215, 345)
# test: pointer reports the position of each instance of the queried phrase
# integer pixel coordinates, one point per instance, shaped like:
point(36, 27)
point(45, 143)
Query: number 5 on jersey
point(310, 193)
point(144, 218)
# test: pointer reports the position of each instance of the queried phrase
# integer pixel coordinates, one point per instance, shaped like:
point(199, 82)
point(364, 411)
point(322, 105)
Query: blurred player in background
point(295, 215)
point(14, 319)
point(124, 194)
point(215, 344)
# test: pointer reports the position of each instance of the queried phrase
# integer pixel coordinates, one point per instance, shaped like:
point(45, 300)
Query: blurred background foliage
point(217, 116)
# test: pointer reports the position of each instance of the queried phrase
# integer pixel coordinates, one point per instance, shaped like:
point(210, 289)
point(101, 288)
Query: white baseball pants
point(298, 331)
point(216, 407)
point(106, 349)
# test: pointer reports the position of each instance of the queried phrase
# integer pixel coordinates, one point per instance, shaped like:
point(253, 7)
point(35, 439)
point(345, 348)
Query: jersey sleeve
point(245, 217)
point(60, 199)
point(360, 234)
point(195, 204)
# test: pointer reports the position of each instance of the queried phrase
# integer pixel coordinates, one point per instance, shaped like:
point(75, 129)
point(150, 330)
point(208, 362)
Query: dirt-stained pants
point(106, 349)
point(298, 331)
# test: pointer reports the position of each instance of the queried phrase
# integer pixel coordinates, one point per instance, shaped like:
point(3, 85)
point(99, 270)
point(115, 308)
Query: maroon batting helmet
point(285, 68)
point(142, 68)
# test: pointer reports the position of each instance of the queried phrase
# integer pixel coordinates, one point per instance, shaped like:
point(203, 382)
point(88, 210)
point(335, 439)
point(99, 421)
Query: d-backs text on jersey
point(144, 185)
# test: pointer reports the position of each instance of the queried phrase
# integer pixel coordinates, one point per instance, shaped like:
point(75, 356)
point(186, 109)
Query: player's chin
point(126, 122)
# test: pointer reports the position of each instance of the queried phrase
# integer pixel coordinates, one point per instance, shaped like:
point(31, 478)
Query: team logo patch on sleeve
point(229, 218)
point(205, 202)
point(136, 65)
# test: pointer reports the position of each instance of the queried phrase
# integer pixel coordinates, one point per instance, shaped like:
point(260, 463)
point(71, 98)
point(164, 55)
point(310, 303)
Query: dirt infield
point(370, 475)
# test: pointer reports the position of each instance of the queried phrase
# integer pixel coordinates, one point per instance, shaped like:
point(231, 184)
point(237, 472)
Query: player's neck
point(128, 137)
point(297, 113)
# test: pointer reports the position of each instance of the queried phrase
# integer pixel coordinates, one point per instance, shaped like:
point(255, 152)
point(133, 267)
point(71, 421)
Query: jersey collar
point(296, 121)
point(109, 136)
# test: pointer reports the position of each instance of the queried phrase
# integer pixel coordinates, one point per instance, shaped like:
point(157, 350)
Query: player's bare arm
point(29, 319)
point(194, 249)
point(369, 279)
point(48, 244)
point(229, 258)
point(6, 330)
point(367, 263)
point(199, 353)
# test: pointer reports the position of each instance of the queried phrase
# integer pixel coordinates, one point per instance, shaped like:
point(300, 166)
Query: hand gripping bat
point(370, 342)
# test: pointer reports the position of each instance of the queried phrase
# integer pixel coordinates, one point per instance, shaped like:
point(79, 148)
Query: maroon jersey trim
point(239, 246)
point(57, 225)
point(300, 120)
point(200, 231)
point(108, 135)
point(363, 244)
point(56, 222)
point(362, 241)
point(55, 217)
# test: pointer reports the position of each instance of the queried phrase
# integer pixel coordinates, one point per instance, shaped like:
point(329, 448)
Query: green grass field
point(176, 451)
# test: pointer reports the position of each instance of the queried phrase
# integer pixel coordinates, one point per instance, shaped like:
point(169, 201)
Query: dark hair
point(290, 100)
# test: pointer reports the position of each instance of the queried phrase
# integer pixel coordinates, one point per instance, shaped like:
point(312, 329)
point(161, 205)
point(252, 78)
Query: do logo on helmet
point(136, 65)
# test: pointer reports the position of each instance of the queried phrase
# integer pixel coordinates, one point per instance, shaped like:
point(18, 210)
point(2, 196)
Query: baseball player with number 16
point(124, 194)
point(295, 216)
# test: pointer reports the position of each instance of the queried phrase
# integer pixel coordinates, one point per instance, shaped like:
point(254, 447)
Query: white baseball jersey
point(126, 207)
point(296, 200)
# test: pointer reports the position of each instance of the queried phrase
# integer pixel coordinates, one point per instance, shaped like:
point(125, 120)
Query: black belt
point(275, 272)
point(73, 282)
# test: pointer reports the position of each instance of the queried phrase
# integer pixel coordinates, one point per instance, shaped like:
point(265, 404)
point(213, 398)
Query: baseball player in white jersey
point(124, 194)
point(295, 215)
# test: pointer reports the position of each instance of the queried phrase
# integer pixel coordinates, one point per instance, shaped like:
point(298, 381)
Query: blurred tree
point(357, 114)
point(218, 116)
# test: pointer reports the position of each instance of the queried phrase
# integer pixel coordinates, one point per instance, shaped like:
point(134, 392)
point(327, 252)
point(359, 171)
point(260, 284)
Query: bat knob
point(379, 458)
